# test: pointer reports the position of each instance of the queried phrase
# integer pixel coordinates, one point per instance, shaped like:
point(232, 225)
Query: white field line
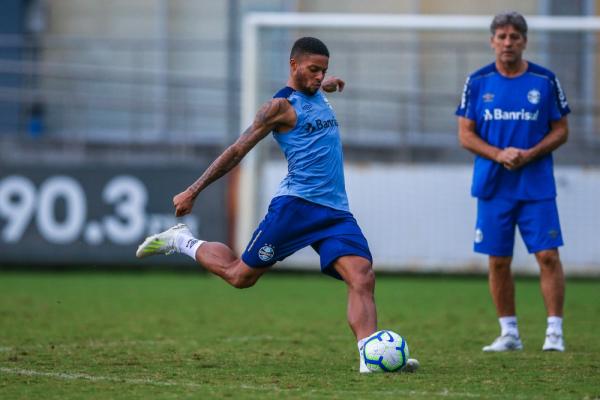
point(70, 376)
point(89, 344)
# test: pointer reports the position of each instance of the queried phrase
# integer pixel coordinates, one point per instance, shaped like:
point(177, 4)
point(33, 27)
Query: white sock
point(362, 365)
point(188, 245)
point(508, 326)
point(554, 325)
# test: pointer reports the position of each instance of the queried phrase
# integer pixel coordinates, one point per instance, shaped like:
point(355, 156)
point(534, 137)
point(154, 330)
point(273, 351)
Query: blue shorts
point(293, 223)
point(496, 220)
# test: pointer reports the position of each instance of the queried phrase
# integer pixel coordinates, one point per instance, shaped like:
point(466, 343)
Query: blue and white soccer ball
point(385, 351)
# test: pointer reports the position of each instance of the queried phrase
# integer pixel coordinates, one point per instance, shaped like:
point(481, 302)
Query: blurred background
point(108, 109)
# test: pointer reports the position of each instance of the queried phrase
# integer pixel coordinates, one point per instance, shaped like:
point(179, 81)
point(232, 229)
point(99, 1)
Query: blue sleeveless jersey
point(313, 150)
point(513, 112)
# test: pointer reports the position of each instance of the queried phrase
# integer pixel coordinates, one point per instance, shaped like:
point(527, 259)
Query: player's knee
point(242, 282)
point(500, 263)
point(548, 259)
point(362, 277)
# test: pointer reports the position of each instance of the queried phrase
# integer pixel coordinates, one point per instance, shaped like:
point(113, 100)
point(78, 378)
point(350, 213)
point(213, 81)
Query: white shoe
point(412, 365)
point(554, 342)
point(504, 343)
point(362, 367)
point(162, 243)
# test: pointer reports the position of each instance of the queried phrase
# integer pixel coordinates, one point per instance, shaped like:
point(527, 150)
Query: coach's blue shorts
point(293, 223)
point(496, 220)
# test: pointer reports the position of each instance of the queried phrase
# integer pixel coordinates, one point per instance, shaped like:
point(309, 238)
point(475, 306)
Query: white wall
point(422, 218)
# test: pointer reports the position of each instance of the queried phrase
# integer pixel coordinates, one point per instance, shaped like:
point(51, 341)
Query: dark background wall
point(11, 23)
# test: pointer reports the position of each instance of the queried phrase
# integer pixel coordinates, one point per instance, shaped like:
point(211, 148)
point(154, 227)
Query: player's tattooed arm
point(274, 115)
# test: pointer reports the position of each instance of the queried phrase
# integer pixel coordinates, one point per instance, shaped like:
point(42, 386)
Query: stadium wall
point(78, 215)
point(421, 218)
point(417, 218)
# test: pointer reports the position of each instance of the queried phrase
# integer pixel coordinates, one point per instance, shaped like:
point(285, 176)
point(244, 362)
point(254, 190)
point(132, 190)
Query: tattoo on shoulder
point(269, 110)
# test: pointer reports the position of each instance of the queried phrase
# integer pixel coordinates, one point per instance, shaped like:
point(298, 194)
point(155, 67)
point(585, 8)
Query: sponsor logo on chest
point(319, 124)
point(498, 114)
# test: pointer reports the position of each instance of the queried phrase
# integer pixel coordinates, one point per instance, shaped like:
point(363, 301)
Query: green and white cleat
point(162, 243)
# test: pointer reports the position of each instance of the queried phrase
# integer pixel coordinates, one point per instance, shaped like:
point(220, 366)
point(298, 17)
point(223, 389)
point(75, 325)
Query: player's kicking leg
point(168, 242)
point(215, 257)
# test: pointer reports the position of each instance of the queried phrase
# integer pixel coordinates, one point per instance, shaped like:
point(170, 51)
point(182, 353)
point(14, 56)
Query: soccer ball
point(385, 351)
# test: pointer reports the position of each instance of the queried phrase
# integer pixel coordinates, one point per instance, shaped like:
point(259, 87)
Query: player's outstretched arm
point(276, 114)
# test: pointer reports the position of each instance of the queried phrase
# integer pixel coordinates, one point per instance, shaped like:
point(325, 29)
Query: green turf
point(161, 336)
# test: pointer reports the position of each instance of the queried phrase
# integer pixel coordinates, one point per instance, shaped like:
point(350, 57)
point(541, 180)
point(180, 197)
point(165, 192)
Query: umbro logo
point(190, 243)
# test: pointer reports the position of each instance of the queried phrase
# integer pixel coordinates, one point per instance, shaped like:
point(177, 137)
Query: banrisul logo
point(320, 124)
point(328, 123)
point(498, 114)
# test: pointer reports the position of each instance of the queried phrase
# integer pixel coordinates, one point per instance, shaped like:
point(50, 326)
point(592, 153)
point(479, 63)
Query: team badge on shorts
point(534, 96)
point(266, 252)
point(478, 236)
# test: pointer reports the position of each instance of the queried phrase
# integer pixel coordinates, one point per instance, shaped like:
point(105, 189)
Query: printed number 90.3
point(20, 202)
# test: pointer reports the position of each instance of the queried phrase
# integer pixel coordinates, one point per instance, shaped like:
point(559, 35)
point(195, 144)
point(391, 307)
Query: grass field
point(168, 336)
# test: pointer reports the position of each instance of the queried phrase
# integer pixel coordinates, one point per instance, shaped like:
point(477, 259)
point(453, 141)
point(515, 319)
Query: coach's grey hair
point(512, 18)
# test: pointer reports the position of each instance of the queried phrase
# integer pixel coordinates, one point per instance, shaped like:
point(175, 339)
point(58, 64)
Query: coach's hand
point(510, 158)
point(183, 202)
point(332, 84)
point(525, 157)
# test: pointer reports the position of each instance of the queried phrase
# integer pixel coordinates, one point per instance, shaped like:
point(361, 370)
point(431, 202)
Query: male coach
point(512, 115)
point(310, 207)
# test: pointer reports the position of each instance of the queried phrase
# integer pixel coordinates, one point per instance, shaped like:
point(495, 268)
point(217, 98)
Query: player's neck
point(511, 70)
point(292, 83)
point(298, 88)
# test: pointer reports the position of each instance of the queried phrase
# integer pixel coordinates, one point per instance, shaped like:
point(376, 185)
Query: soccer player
point(310, 207)
point(512, 115)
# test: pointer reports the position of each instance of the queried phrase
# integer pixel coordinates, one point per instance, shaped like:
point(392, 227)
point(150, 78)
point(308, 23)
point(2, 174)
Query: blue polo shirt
point(513, 112)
